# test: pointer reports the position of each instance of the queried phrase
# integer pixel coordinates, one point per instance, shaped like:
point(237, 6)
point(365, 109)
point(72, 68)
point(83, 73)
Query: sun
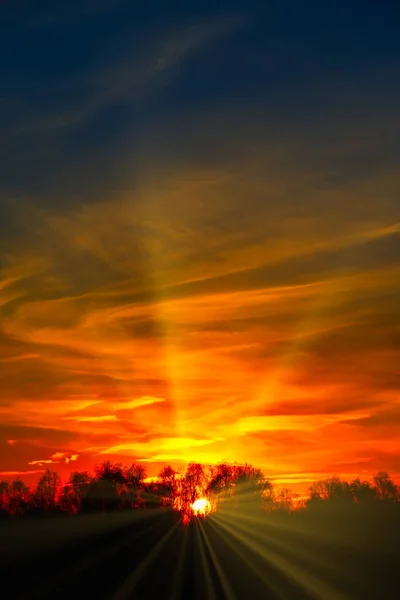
point(201, 507)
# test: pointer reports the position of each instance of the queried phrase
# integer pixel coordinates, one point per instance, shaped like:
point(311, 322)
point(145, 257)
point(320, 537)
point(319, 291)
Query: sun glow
point(201, 507)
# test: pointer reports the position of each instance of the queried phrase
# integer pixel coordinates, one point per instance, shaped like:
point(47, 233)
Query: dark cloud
point(385, 418)
point(36, 381)
point(362, 338)
point(372, 460)
point(330, 405)
point(143, 328)
point(28, 433)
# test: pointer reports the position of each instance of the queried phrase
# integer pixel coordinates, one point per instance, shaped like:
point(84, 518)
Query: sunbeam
point(96, 558)
point(227, 589)
point(128, 586)
point(304, 578)
point(205, 564)
point(248, 563)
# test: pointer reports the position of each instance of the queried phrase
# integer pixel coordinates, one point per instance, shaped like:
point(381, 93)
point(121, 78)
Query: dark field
point(149, 554)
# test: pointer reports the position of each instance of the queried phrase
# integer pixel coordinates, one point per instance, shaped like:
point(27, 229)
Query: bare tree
point(284, 500)
point(47, 490)
point(330, 489)
point(4, 495)
point(386, 489)
point(361, 491)
point(108, 471)
point(167, 487)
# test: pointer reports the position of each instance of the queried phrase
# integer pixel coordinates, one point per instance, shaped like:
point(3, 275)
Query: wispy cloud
point(56, 458)
point(21, 473)
point(137, 403)
point(137, 73)
point(97, 419)
point(65, 456)
point(240, 306)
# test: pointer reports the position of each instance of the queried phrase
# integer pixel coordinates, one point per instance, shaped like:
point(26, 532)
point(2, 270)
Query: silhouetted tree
point(385, 487)
point(194, 481)
point(80, 481)
point(267, 492)
point(108, 471)
point(4, 495)
point(167, 485)
point(150, 495)
point(135, 474)
point(242, 486)
point(133, 482)
point(103, 492)
point(362, 491)
point(101, 495)
point(248, 482)
point(73, 492)
point(330, 489)
point(221, 484)
point(47, 490)
point(18, 497)
point(284, 500)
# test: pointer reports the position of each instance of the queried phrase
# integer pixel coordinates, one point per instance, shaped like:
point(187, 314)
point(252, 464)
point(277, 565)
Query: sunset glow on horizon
point(199, 280)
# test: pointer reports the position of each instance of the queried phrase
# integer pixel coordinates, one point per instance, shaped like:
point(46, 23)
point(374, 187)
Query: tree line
point(113, 486)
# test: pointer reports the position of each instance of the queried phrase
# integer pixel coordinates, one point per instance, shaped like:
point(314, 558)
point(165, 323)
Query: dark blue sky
point(79, 77)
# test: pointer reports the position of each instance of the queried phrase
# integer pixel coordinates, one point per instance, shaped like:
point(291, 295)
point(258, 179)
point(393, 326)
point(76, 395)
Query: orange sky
point(149, 332)
point(232, 296)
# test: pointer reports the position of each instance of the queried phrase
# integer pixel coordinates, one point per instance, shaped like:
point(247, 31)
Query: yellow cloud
point(137, 403)
point(97, 419)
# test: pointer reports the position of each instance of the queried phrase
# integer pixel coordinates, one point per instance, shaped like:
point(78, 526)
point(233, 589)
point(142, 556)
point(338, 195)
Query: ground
point(149, 554)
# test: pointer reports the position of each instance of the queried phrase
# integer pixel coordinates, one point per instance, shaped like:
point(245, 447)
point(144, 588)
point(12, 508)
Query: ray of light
point(76, 570)
point(128, 586)
point(228, 591)
point(179, 570)
point(199, 541)
point(242, 553)
point(311, 584)
point(41, 533)
point(304, 548)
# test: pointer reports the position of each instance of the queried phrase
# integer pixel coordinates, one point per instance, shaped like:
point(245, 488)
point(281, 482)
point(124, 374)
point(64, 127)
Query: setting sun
point(201, 507)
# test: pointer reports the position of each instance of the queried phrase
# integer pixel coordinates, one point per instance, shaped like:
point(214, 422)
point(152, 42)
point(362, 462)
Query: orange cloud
point(257, 321)
point(138, 402)
point(65, 456)
point(20, 473)
point(99, 419)
point(56, 458)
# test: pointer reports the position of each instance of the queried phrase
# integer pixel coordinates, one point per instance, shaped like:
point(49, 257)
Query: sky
point(200, 236)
